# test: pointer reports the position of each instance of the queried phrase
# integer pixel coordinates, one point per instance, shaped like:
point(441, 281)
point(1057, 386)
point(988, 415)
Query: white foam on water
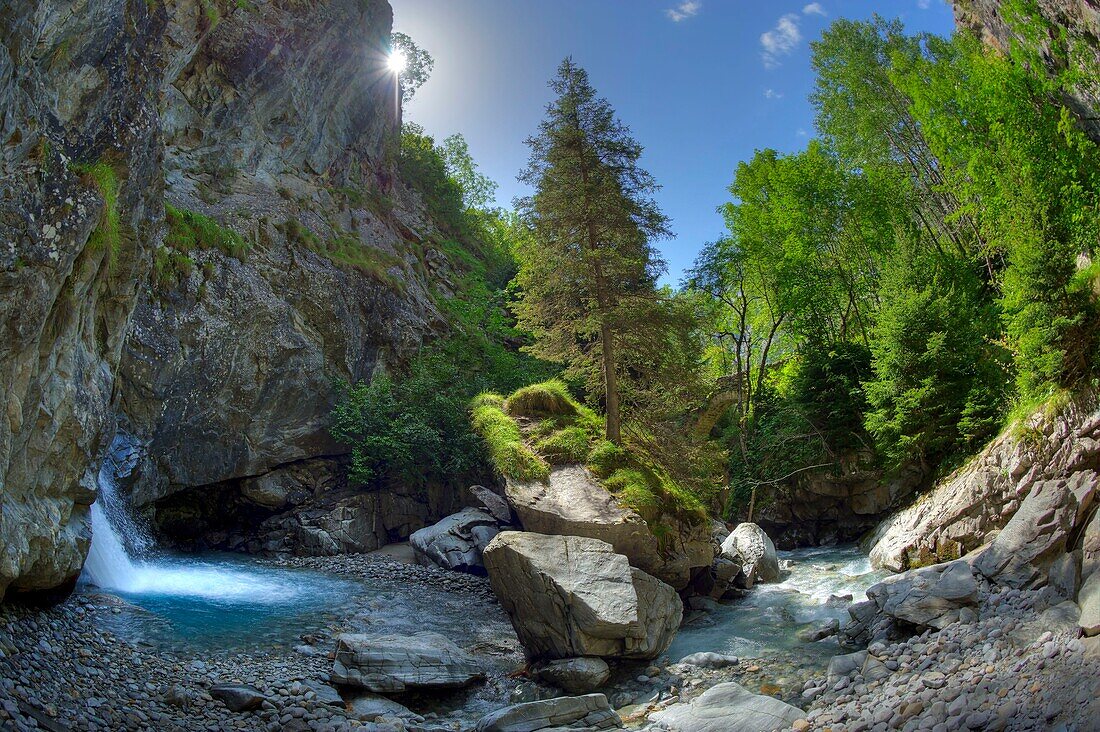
point(111, 566)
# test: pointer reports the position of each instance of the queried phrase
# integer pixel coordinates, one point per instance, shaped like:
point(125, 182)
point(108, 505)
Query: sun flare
point(396, 62)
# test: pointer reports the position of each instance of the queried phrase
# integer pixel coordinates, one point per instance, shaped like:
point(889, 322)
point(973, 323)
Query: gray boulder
point(707, 659)
point(369, 707)
point(575, 675)
point(565, 712)
point(573, 503)
point(819, 631)
point(1036, 536)
point(238, 697)
point(932, 597)
point(570, 596)
point(728, 707)
point(397, 663)
point(492, 503)
point(1089, 602)
point(457, 541)
point(749, 546)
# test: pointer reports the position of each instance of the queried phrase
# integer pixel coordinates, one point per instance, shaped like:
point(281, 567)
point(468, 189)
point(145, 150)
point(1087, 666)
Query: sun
point(396, 62)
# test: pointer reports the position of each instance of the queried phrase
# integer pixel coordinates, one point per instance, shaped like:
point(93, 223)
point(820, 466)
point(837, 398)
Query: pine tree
point(588, 276)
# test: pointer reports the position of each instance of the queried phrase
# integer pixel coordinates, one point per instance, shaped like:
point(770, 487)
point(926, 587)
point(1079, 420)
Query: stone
point(570, 596)
point(398, 663)
point(1088, 599)
point(370, 707)
point(931, 597)
point(457, 541)
point(573, 503)
point(1036, 536)
point(843, 665)
point(585, 712)
point(324, 694)
point(238, 697)
point(575, 675)
point(749, 546)
point(492, 503)
point(708, 659)
point(728, 707)
point(819, 631)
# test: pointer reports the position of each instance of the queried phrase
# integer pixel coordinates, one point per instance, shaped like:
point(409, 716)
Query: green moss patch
point(190, 230)
point(504, 441)
point(108, 232)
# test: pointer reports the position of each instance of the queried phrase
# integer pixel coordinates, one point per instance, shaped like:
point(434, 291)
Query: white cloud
point(816, 9)
point(801, 132)
point(924, 4)
point(684, 10)
point(772, 94)
point(780, 41)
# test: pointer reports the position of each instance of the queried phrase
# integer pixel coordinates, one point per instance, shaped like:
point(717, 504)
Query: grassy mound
point(542, 425)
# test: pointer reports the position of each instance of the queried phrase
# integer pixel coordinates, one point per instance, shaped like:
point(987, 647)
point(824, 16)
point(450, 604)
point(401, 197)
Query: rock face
point(1036, 536)
point(393, 663)
point(80, 191)
point(932, 597)
point(457, 541)
point(1079, 19)
point(750, 547)
point(573, 503)
point(591, 712)
point(965, 510)
point(571, 596)
point(728, 707)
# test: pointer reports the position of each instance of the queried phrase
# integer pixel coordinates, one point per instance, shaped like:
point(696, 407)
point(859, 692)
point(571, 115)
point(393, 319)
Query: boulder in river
point(456, 542)
point(396, 663)
point(575, 675)
point(570, 596)
point(750, 547)
point(573, 503)
point(590, 712)
point(728, 707)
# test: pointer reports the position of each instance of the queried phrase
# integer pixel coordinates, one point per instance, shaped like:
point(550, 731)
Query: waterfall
point(123, 556)
point(115, 533)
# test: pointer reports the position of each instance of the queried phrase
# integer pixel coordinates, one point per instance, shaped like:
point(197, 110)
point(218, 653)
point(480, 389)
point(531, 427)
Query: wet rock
point(728, 707)
point(570, 596)
point(819, 631)
point(587, 712)
point(397, 663)
point(238, 697)
point(750, 547)
point(575, 675)
point(457, 541)
point(708, 659)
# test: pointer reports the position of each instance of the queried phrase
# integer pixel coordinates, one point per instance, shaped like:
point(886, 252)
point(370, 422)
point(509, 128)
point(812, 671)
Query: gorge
point(302, 431)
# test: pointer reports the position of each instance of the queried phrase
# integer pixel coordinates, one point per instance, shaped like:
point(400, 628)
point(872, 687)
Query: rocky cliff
point(1062, 35)
point(204, 232)
point(970, 507)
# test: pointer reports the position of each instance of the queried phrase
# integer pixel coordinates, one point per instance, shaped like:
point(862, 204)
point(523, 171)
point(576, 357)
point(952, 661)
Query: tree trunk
point(610, 386)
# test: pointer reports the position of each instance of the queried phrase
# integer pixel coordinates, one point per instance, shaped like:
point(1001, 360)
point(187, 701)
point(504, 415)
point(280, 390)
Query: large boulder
point(750, 547)
point(1089, 602)
point(573, 503)
point(1037, 534)
point(728, 707)
point(457, 541)
point(931, 597)
point(590, 712)
point(396, 663)
point(571, 596)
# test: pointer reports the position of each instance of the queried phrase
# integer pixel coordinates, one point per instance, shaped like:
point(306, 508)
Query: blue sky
point(701, 83)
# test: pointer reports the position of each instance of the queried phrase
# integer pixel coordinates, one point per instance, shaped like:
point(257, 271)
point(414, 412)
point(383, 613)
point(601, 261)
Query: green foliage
point(548, 399)
point(190, 230)
point(478, 190)
point(827, 387)
point(418, 65)
point(507, 450)
point(422, 165)
point(107, 235)
point(939, 384)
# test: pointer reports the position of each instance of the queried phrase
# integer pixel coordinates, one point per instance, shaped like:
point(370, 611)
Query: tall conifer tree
point(589, 273)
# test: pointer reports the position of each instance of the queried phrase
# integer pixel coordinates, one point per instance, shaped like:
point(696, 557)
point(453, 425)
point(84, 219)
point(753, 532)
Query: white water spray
point(121, 556)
